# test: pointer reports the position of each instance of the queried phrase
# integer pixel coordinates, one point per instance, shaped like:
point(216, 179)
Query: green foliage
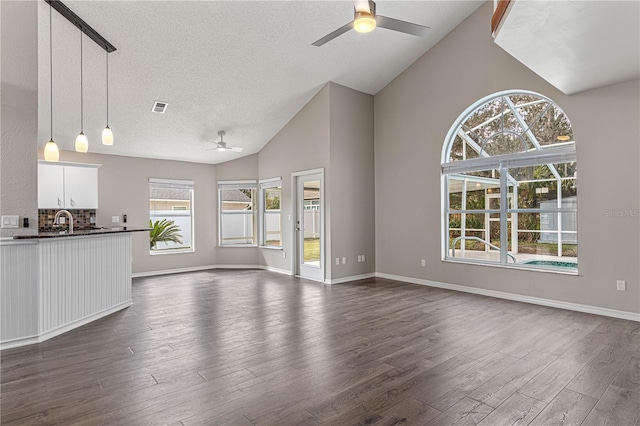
point(272, 199)
point(164, 231)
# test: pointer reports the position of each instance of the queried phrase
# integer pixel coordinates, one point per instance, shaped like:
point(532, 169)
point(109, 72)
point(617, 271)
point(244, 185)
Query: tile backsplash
point(82, 219)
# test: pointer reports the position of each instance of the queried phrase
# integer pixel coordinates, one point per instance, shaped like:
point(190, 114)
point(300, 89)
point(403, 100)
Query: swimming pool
point(552, 263)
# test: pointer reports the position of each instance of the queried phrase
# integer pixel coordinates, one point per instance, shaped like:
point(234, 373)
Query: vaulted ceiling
point(245, 67)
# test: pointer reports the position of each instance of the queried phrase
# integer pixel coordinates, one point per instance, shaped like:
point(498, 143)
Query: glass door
point(310, 226)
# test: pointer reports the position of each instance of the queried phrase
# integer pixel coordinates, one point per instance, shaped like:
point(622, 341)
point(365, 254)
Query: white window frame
point(264, 213)
point(237, 184)
point(181, 184)
point(557, 153)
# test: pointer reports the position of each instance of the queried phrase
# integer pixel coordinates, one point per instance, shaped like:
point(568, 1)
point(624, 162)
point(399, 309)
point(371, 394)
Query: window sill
point(161, 252)
point(272, 247)
point(238, 245)
point(521, 267)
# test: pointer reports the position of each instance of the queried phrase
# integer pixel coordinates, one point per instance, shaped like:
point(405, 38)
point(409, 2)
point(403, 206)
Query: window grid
point(271, 213)
point(171, 216)
point(510, 181)
point(237, 213)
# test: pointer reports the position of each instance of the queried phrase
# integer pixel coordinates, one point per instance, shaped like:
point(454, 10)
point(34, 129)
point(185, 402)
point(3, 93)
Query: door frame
point(295, 259)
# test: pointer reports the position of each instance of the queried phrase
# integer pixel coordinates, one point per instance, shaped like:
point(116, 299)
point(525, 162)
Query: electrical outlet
point(344, 260)
point(284, 254)
point(423, 262)
point(363, 258)
point(621, 285)
point(337, 260)
point(115, 219)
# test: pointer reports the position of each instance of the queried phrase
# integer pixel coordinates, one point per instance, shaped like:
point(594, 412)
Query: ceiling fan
point(222, 145)
point(365, 20)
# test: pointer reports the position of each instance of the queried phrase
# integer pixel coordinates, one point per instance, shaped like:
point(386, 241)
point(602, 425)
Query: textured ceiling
point(240, 66)
point(574, 45)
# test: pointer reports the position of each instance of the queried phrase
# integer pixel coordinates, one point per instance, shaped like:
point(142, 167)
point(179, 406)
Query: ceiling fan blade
point(401, 26)
point(343, 29)
point(234, 148)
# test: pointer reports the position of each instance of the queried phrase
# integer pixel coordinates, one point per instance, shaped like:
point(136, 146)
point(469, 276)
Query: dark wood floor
point(254, 347)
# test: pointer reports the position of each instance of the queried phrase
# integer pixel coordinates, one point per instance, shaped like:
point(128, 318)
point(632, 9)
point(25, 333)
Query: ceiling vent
point(159, 107)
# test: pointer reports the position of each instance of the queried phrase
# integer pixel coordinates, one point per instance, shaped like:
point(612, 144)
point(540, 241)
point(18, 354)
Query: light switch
point(10, 221)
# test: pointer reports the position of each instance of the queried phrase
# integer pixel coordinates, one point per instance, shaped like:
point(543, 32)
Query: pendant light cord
point(107, 89)
point(51, 71)
point(81, 91)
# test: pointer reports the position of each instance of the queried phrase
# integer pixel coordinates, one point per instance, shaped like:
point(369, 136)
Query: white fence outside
point(236, 228)
point(181, 219)
point(312, 223)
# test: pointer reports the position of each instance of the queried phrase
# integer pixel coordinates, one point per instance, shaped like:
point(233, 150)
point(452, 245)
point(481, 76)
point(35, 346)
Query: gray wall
point(302, 144)
point(412, 117)
point(124, 189)
point(19, 112)
point(333, 131)
point(352, 181)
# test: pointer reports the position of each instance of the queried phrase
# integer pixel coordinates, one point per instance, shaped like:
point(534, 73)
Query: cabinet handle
point(72, 202)
point(59, 202)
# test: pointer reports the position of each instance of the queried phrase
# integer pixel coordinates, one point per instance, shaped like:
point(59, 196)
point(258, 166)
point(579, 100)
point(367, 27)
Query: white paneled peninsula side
point(52, 283)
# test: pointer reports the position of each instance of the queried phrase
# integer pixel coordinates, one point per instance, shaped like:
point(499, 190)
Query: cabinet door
point(50, 186)
point(81, 187)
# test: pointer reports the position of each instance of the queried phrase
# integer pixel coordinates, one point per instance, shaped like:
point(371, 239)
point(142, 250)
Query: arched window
point(509, 184)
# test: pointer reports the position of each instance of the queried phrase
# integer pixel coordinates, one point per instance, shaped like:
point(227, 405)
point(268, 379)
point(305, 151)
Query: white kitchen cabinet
point(67, 186)
point(50, 186)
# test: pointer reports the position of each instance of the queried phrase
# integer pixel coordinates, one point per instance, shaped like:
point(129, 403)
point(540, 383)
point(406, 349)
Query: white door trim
point(295, 263)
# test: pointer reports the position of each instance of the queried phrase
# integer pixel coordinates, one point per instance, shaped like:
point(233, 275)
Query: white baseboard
point(349, 279)
point(242, 266)
point(456, 287)
point(278, 270)
point(82, 321)
point(16, 343)
point(207, 267)
point(63, 329)
point(172, 271)
point(632, 316)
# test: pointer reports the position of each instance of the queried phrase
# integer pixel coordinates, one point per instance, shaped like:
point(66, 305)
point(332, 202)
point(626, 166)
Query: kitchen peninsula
point(55, 282)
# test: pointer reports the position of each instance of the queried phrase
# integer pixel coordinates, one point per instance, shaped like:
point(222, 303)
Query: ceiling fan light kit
point(365, 21)
point(222, 145)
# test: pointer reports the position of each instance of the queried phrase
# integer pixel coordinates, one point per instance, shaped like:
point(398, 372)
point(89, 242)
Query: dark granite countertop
point(81, 232)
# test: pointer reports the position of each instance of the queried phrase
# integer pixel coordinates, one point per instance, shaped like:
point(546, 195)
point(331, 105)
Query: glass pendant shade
point(51, 152)
point(364, 22)
point(107, 136)
point(82, 144)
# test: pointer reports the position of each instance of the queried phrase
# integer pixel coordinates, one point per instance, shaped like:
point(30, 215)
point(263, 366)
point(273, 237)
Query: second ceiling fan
point(222, 145)
point(365, 20)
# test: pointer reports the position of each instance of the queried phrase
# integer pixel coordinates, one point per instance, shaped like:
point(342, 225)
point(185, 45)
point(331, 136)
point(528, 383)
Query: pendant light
point(51, 152)
point(107, 134)
point(82, 144)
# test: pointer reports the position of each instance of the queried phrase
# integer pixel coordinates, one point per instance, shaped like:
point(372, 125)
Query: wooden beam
point(498, 14)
